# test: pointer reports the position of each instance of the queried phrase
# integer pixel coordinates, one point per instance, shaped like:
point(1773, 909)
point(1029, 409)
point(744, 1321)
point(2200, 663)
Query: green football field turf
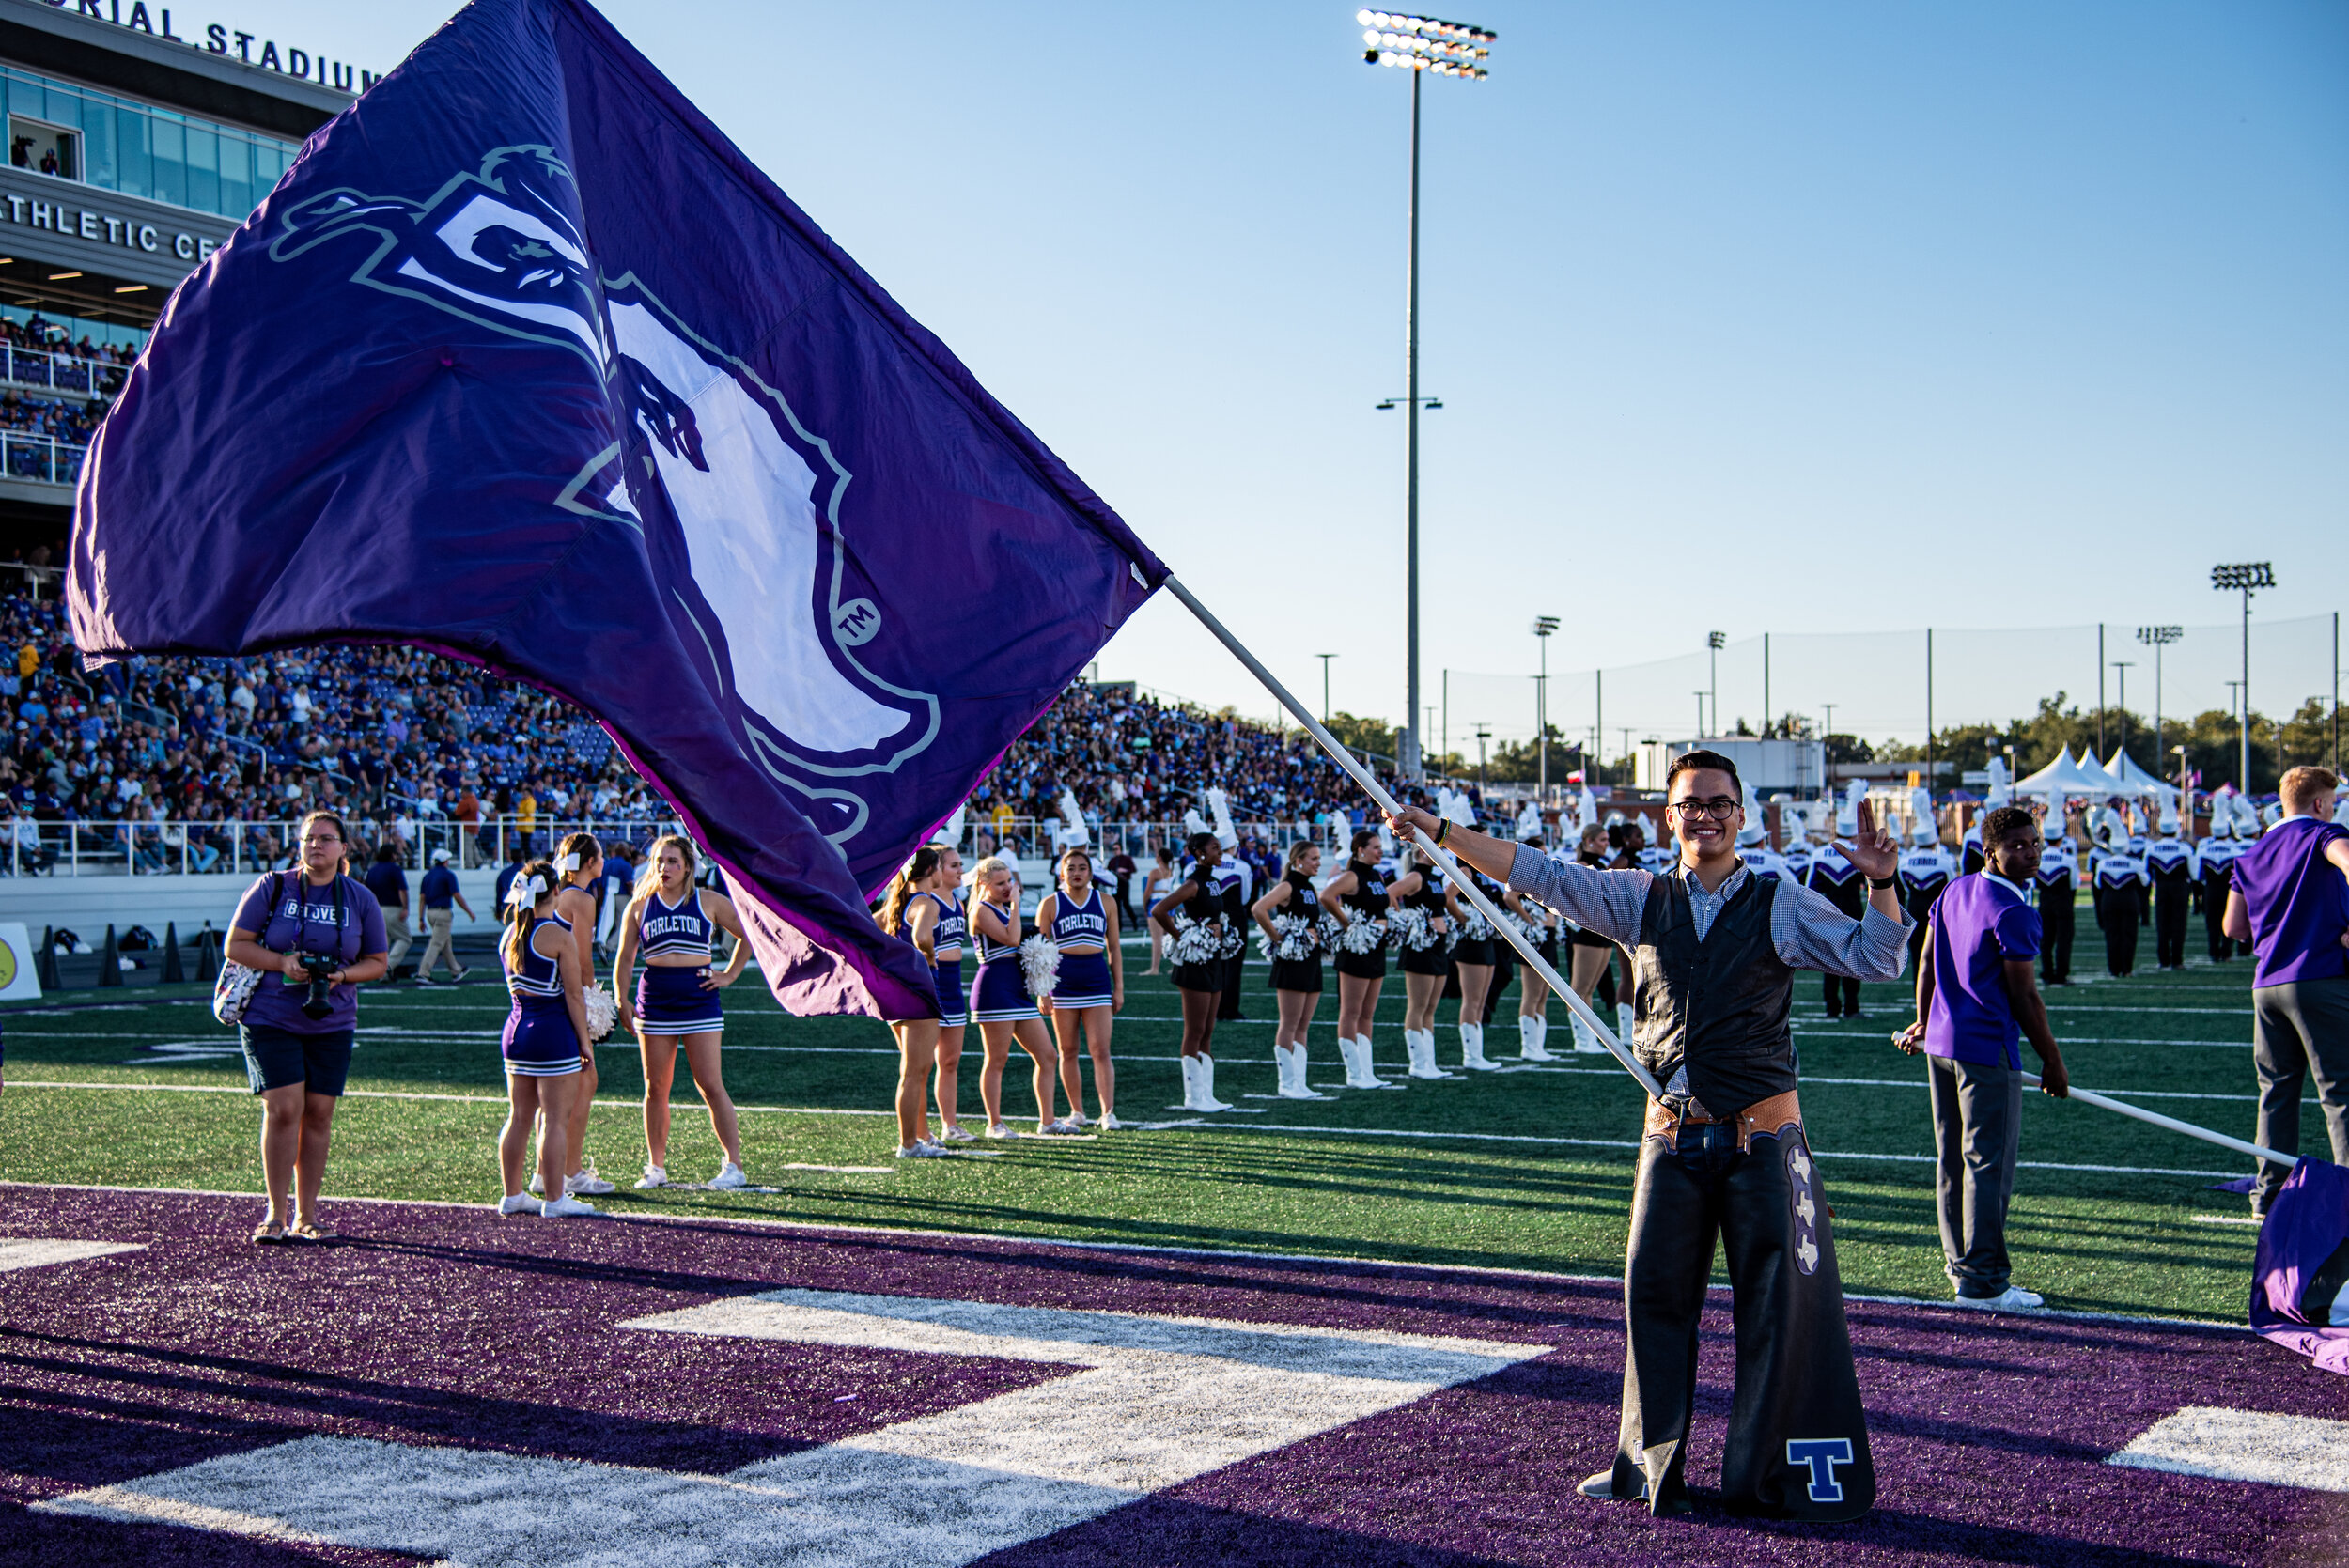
point(1525, 1169)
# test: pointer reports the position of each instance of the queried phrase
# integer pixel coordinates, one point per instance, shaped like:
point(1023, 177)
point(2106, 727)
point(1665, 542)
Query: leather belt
point(1772, 1116)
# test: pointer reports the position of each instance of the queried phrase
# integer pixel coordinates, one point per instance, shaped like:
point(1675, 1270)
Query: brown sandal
point(303, 1230)
point(269, 1232)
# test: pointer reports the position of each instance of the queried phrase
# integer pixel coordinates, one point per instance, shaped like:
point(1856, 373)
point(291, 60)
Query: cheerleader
point(917, 1038)
point(1159, 879)
point(1090, 989)
point(579, 863)
point(1424, 913)
point(672, 925)
point(1198, 950)
point(1296, 980)
point(1002, 1004)
point(544, 1042)
point(1588, 952)
point(1472, 958)
point(1357, 896)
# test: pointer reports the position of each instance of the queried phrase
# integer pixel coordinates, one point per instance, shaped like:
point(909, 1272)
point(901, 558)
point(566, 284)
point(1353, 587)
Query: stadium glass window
point(51, 149)
point(120, 144)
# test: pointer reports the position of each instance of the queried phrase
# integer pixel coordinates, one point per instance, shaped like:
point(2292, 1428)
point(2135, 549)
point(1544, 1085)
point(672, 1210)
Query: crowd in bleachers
point(81, 377)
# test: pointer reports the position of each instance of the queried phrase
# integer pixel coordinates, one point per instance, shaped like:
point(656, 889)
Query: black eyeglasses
point(1718, 808)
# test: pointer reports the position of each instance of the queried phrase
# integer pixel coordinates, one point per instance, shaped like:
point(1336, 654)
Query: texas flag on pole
point(525, 361)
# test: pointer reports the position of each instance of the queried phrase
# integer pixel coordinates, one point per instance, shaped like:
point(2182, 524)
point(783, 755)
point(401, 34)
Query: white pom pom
point(603, 1013)
point(1039, 962)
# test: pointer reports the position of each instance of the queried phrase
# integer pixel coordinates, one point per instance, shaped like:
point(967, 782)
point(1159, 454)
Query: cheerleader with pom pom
point(579, 865)
point(910, 911)
point(1001, 1004)
point(1198, 916)
point(1540, 928)
point(1090, 989)
point(1426, 915)
point(1472, 958)
point(1295, 929)
point(1357, 896)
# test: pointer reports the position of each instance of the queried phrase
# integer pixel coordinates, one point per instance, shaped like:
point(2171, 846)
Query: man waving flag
point(525, 361)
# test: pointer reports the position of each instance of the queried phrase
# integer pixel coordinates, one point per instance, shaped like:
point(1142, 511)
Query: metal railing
point(60, 372)
point(42, 458)
point(98, 848)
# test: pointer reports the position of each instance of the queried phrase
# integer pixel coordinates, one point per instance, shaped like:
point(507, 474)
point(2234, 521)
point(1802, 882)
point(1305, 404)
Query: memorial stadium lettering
point(156, 22)
point(88, 223)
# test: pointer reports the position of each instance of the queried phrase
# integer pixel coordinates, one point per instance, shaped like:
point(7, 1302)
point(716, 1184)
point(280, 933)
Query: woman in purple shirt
point(2290, 903)
point(296, 1044)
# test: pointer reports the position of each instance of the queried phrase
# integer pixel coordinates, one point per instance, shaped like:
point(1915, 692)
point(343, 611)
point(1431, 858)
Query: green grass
point(1320, 1178)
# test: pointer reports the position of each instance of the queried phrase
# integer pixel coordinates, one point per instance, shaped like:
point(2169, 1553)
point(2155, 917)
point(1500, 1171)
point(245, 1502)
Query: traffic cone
point(45, 966)
point(110, 961)
point(175, 972)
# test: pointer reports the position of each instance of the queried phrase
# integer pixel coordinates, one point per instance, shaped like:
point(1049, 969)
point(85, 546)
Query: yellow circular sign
point(7, 966)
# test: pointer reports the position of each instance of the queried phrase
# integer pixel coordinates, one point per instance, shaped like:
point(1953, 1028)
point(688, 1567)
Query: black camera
point(320, 1001)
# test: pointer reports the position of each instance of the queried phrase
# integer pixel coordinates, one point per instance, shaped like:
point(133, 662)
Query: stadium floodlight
point(1543, 627)
point(2158, 638)
point(1714, 642)
point(1426, 46)
point(2246, 578)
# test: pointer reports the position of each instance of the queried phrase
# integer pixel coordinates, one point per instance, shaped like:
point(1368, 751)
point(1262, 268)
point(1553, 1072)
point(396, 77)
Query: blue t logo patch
point(1821, 1455)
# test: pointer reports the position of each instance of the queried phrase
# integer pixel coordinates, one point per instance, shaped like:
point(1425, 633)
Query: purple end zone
point(442, 1326)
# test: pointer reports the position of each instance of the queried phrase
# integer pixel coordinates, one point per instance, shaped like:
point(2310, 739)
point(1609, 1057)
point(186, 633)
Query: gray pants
point(395, 927)
point(2296, 1029)
point(1977, 1124)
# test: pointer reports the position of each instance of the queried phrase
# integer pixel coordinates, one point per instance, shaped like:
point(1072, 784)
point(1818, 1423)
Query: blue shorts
point(1084, 981)
point(673, 1001)
point(279, 1059)
point(952, 1011)
point(1001, 994)
point(539, 1041)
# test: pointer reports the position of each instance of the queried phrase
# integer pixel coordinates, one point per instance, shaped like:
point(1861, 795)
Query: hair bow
point(526, 890)
point(565, 866)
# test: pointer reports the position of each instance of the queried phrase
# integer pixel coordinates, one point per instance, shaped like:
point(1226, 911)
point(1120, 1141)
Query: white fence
point(60, 372)
point(40, 457)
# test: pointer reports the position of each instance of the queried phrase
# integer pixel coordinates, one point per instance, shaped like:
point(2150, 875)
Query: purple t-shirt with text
point(1981, 922)
point(2298, 902)
point(302, 920)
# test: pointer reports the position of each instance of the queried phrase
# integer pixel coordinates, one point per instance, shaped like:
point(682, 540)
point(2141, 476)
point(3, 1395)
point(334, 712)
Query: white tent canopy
point(2124, 767)
point(2101, 783)
point(2059, 777)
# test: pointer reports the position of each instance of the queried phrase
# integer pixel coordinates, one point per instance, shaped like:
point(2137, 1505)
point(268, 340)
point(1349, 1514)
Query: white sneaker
point(517, 1203)
point(924, 1150)
point(2012, 1298)
point(565, 1207)
point(999, 1130)
point(728, 1178)
point(1109, 1123)
point(957, 1135)
point(588, 1183)
point(1062, 1128)
point(537, 1184)
point(654, 1176)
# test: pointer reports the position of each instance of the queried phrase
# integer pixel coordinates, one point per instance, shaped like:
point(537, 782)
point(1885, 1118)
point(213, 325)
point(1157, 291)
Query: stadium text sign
point(219, 39)
point(89, 223)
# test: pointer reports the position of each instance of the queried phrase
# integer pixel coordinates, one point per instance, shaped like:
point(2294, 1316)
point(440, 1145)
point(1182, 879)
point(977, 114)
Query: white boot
point(1206, 1086)
point(1586, 1038)
point(1345, 1057)
point(1473, 1049)
point(1281, 1071)
point(1293, 1084)
point(1533, 1037)
point(1195, 1093)
point(1420, 1046)
point(1370, 1072)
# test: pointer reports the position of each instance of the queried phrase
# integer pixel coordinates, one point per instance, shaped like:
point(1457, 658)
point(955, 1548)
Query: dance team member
point(1359, 893)
point(1725, 1159)
point(1090, 989)
point(1002, 1004)
point(1474, 961)
point(1533, 990)
point(1424, 889)
point(1587, 951)
point(544, 1043)
point(1207, 900)
point(2290, 906)
point(917, 1038)
point(672, 925)
point(1296, 983)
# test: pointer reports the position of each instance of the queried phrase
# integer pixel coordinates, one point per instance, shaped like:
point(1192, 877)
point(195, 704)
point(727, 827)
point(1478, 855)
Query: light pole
point(1420, 44)
point(1483, 783)
point(2124, 666)
point(2158, 638)
point(1325, 659)
point(1543, 627)
point(2234, 704)
point(2247, 578)
point(1700, 696)
point(1713, 641)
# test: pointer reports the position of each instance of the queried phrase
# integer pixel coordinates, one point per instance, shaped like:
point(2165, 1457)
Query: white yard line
point(2244, 1445)
point(39, 1251)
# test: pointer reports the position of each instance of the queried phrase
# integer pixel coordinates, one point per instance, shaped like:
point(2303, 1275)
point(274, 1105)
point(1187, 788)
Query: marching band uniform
point(2058, 879)
point(1724, 1156)
point(1926, 872)
point(2214, 870)
point(1840, 882)
point(2171, 866)
point(2122, 903)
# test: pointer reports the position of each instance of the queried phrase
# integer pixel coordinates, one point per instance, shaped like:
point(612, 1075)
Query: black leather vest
point(1719, 1006)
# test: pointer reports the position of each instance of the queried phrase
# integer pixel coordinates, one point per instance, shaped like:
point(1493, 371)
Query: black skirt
point(1590, 939)
point(1425, 960)
point(1296, 974)
point(1474, 952)
point(1209, 976)
point(1364, 966)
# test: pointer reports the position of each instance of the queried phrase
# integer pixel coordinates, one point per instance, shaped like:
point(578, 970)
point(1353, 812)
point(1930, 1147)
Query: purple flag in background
point(525, 361)
point(2300, 1277)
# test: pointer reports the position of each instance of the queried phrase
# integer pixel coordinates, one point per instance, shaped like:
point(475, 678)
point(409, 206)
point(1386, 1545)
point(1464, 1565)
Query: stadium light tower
point(2158, 638)
point(2124, 666)
point(1325, 659)
point(1424, 46)
point(1543, 627)
point(2247, 578)
point(1714, 642)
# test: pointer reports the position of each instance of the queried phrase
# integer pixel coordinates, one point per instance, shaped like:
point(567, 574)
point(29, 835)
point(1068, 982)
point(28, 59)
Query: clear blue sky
point(1797, 318)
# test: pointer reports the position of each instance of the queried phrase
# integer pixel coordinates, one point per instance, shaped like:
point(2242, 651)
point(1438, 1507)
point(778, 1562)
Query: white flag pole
point(2089, 1097)
point(1465, 884)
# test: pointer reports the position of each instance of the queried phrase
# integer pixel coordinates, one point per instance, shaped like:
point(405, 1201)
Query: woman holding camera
point(315, 935)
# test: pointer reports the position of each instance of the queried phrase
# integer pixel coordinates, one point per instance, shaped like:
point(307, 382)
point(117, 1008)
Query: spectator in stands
point(389, 884)
point(442, 897)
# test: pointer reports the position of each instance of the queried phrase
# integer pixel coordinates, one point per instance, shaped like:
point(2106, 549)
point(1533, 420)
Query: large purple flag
point(525, 361)
point(2300, 1277)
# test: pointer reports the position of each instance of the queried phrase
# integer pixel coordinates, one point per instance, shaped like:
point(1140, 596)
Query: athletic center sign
point(104, 232)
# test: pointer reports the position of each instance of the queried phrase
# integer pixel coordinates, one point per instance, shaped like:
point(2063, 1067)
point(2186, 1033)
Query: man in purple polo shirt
point(1976, 993)
point(2290, 903)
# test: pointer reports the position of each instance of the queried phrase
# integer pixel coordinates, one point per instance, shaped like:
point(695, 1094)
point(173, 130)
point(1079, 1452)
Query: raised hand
point(1400, 823)
point(1874, 852)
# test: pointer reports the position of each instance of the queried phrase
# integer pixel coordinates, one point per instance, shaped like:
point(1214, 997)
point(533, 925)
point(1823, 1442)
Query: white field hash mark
point(1151, 1401)
point(2244, 1445)
point(41, 1252)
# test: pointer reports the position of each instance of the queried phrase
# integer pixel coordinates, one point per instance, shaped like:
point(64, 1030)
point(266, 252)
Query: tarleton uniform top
point(2214, 860)
point(1714, 973)
point(1924, 874)
point(2059, 867)
point(2169, 861)
point(1834, 878)
point(2120, 869)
